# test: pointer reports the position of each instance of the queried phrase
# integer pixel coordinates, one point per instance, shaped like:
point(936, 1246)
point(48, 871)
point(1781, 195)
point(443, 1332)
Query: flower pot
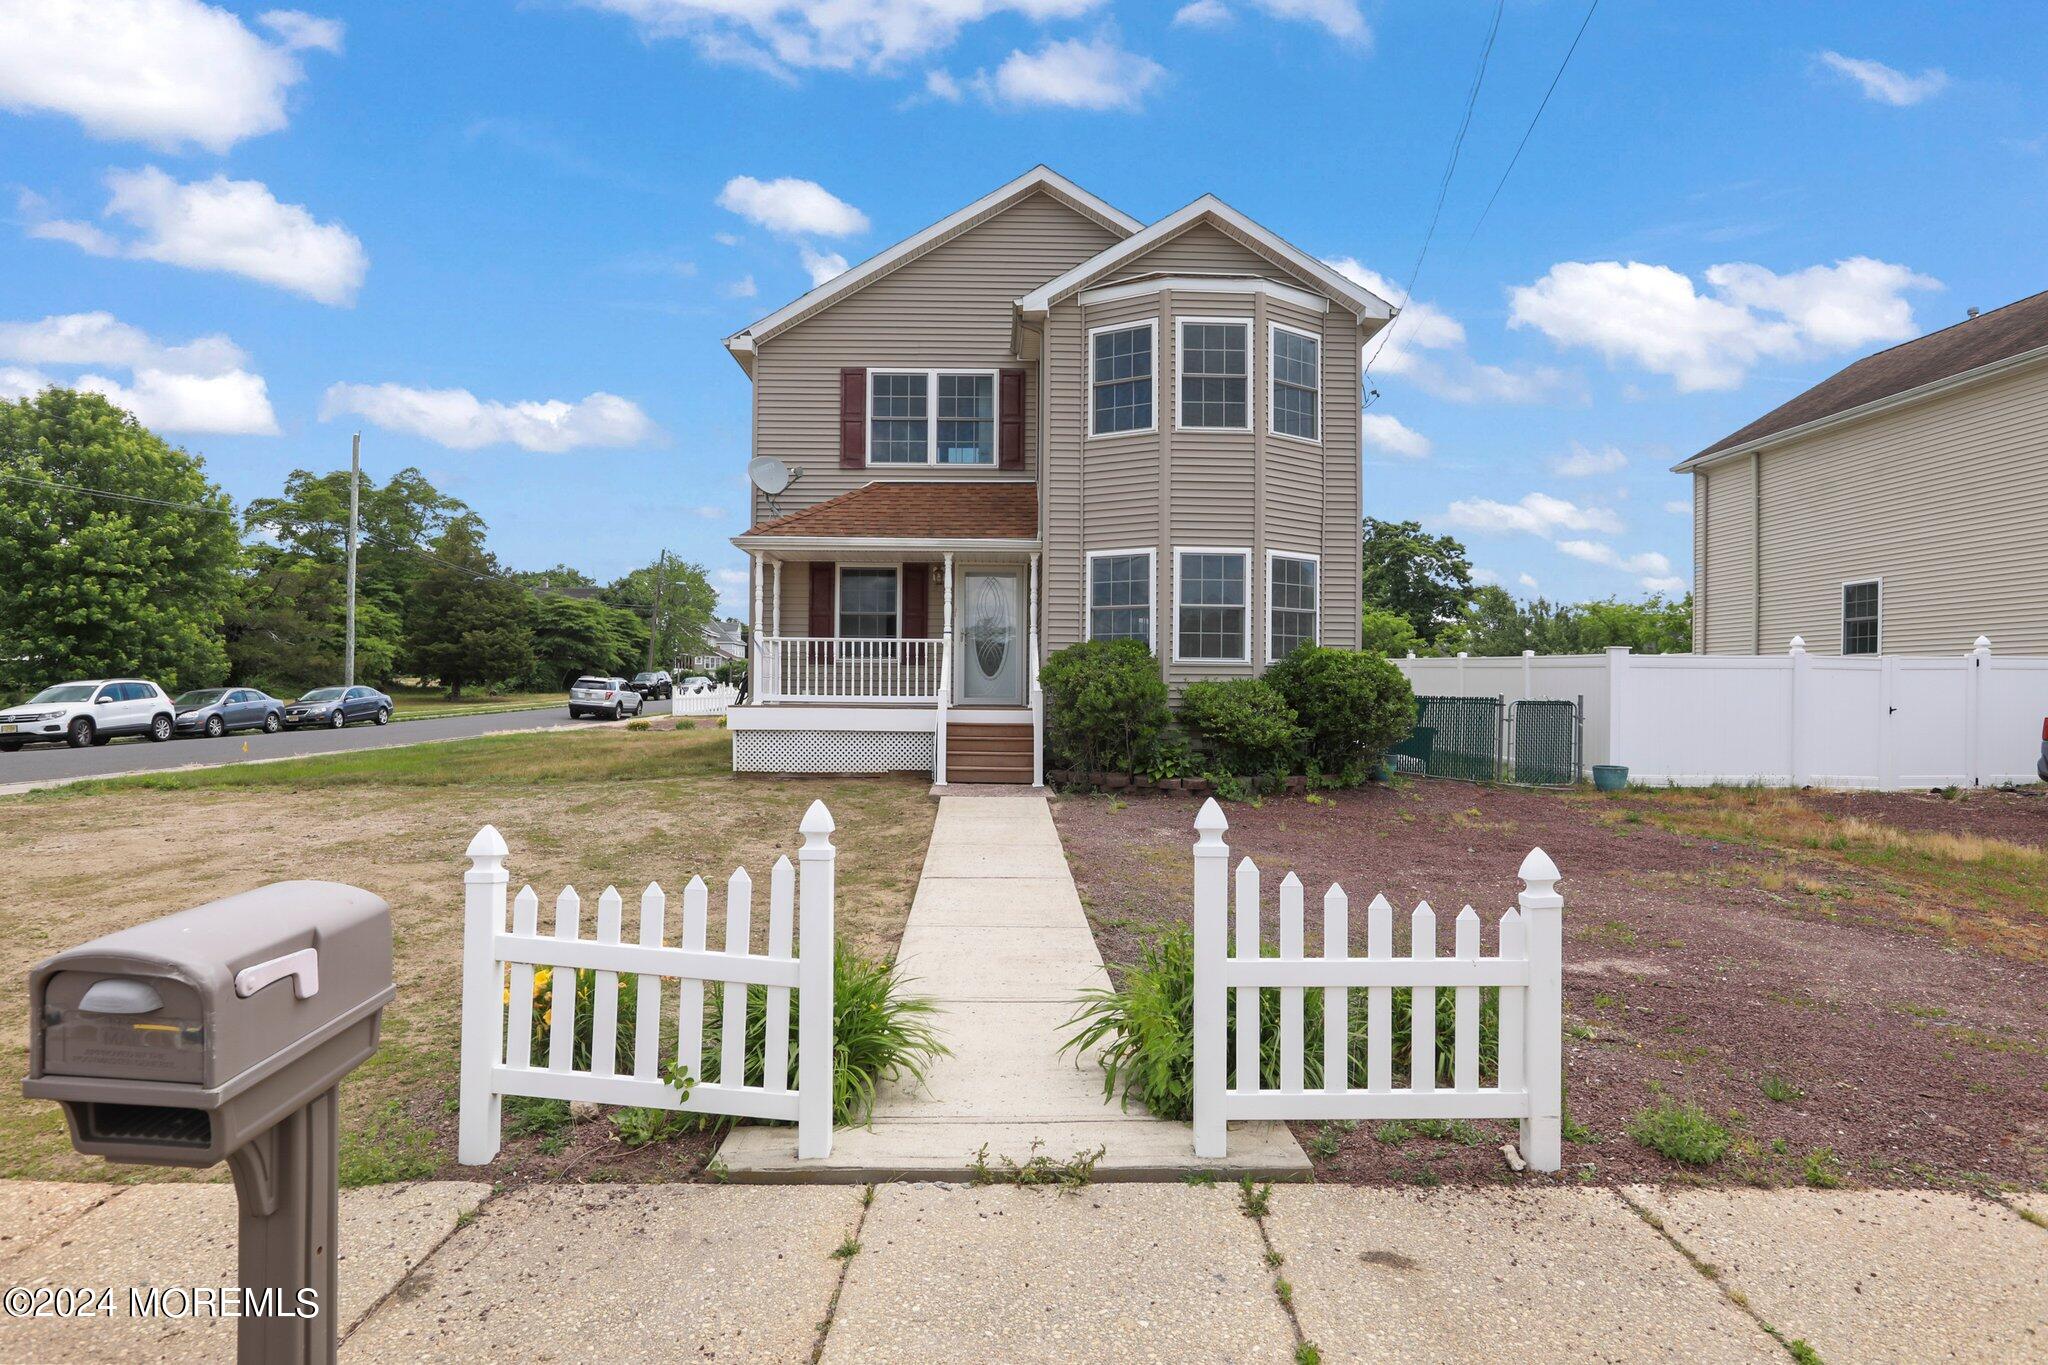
point(1609, 777)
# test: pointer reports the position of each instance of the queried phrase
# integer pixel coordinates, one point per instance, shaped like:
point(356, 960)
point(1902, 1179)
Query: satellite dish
point(769, 474)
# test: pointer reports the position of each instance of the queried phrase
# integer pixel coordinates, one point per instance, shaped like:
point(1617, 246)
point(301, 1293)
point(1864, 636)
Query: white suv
point(82, 713)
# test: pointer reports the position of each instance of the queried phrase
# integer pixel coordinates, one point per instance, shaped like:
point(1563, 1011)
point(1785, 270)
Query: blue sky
point(432, 221)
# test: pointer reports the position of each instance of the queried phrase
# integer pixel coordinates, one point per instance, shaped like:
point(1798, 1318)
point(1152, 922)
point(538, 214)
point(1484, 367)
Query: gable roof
point(913, 510)
point(1037, 180)
point(1364, 304)
point(2001, 337)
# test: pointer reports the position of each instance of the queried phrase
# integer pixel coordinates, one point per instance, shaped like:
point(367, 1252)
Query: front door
point(992, 636)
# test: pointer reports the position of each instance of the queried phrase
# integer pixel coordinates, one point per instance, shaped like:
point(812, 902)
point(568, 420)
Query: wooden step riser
point(955, 729)
point(1006, 747)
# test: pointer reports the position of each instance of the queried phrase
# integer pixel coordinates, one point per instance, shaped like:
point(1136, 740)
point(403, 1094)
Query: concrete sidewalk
point(1129, 1272)
point(997, 935)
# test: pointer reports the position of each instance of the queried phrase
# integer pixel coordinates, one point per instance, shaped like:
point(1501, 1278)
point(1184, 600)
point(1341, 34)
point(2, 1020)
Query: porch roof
point(908, 511)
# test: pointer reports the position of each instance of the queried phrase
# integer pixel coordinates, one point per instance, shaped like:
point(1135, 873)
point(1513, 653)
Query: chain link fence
point(1489, 739)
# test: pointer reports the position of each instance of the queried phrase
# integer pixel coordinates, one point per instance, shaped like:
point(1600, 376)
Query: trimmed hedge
point(1352, 707)
point(1105, 706)
point(1245, 723)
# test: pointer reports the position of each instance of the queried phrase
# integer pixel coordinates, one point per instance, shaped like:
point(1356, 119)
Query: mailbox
point(220, 1034)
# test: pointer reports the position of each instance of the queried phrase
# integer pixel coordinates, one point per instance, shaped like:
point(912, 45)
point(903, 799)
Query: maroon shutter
point(824, 622)
point(1010, 404)
point(853, 420)
point(917, 601)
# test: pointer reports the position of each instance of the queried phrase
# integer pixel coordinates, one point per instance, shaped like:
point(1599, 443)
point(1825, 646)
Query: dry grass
point(584, 807)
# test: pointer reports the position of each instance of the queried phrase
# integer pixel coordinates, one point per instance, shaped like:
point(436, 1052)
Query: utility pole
point(355, 479)
point(654, 627)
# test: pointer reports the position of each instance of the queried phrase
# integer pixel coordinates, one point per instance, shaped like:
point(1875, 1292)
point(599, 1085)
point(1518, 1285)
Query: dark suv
point(658, 685)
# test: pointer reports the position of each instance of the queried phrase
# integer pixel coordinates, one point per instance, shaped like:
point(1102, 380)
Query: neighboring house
point(1035, 422)
point(724, 642)
point(1900, 507)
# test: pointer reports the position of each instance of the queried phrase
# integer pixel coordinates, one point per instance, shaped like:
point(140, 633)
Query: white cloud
point(170, 73)
point(730, 578)
point(1340, 17)
point(1202, 14)
point(299, 31)
point(1653, 317)
point(1072, 74)
point(822, 265)
point(726, 238)
point(1598, 552)
point(1486, 578)
point(1885, 84)
point(235, 226)
point(1393, 436)
point(791, 205)
point(1538, 514)
point(779, 36)
point(1679, 507)
point(1426, 347)
point(1584, 463)
point(460, 420)
point(1526, 580)
point(941, 85)
point(1671, 584)
point(16, 382)
point(200, 386)
point(742, 288)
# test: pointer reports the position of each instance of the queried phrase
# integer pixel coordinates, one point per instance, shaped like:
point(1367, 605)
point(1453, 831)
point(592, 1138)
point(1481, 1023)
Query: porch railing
point(807, 668)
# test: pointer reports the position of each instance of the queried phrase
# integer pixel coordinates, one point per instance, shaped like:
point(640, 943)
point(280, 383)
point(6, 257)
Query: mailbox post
point(221, 1034)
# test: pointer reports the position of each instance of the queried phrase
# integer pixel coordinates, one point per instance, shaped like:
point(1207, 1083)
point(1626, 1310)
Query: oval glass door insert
point(992, 626)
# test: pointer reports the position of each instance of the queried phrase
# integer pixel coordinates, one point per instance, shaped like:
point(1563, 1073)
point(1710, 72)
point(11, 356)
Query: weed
point(1823, 1171)
point(717, 1170)
point(1583, 1032)
point(1802, 1353)
point(1921, 1011)
point(639, 725)
point(1037, 1169)
point(1329, 1139)
point(1274, 1260)
point(847, 1249)
point(1451, 1130)
point(389, 1147)
point(1201, 1180)
point(1393, 1132)
point(1778, 1090)
point(1682, 1132)
point(1307, 1354)
point(1284, 1291)
point(466, 1217)
point(1571, 1130)
point(526, 1116)
point(1612, 933)
point(1254, 1201)
point(1605, 1002)
point(2028, 1215)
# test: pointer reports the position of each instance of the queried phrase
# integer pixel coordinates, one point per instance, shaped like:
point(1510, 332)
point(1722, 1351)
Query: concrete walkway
point(997, 935)
point(1128, 1272)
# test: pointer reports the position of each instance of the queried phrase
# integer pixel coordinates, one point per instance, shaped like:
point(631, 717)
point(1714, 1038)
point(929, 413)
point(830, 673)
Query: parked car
point(659, 685)
point(694, 684)
point(335, 707)
point(82, 713)
point(214, 711)
point(612, 698)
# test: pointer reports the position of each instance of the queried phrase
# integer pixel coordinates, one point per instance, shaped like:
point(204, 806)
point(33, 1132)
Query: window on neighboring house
point(1297, 384)
point(931, 417)
point(1291, 615)
point(1210, 618)
point(1862, 616)
point(867, 604)
point(1122, 358)
point(1120, 596)
point(1215, 364)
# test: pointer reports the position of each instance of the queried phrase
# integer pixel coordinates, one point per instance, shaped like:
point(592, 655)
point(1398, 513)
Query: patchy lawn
point(584, 807)
point(1851, 986)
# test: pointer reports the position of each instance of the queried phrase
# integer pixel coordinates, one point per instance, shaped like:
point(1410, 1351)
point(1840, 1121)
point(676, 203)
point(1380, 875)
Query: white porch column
point(1033, 691)
point(776, 609)
point(756, 672)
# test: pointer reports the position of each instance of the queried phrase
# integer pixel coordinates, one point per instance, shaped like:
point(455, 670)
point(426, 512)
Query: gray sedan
point(214, 711)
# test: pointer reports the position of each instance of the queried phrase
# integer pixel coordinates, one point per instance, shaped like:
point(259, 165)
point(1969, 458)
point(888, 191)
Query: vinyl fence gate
point(1527, 969)
point(499, 966)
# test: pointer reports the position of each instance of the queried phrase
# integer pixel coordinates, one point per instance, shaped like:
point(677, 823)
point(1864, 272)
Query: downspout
point(1756, 551)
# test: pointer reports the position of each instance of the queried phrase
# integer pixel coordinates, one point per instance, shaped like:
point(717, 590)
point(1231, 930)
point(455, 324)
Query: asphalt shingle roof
point(918, 511)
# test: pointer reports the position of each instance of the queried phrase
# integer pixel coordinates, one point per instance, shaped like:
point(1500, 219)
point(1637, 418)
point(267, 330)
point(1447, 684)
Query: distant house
point(1899, 507)
point(724, 642)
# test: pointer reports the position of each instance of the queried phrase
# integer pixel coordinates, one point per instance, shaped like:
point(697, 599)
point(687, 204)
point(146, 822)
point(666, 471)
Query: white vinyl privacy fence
point(1519, 1077)
point(1886, 722)
point(500, 963)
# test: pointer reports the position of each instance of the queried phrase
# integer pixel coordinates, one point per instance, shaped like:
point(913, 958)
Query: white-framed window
point(1212, 604)
point(1296, 400)
point(868, 602)
point(931, 417)
point(1120, 596)
point(1863, 616)
point(1215, 374)
point(1120, 390)
point(1293, 603)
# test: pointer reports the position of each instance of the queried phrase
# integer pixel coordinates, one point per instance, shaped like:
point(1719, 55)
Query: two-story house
point(1040, 421)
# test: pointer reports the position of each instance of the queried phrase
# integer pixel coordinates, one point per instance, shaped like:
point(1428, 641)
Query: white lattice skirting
point(830, 751)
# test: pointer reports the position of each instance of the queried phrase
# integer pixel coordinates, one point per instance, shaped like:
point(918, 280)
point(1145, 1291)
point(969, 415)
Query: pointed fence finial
point(1209, 822)
point(487, 844)
point(1798, 644)
point(1983, 642)
point(1538, 871)
point(817, 820)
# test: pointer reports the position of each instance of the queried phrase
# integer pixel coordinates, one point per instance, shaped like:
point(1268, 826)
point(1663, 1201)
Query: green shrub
point(1144, 1025)
point(1682, 1132)
point(1105, 706)
point(1245, 723)
point(1353, 707)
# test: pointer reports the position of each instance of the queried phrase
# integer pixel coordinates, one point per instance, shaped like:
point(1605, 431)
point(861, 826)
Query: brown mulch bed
point(1693, 969)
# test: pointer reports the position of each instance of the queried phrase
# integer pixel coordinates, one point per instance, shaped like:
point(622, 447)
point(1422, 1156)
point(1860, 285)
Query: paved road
point(47, 763)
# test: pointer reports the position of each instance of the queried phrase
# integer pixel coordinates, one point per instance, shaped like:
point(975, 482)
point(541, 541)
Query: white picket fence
point(713, 701)
point(498, 967)
point(1527, 968)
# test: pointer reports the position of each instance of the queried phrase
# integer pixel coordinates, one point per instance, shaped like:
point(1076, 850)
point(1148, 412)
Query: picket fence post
point(1795, 720)
point(483, 1011)
point(1979, 664)
point(1212, 913)
point(815, 891)
point(1543, 934)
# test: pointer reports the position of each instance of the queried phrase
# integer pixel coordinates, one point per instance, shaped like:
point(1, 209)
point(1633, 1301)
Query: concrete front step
point(1135, 1147)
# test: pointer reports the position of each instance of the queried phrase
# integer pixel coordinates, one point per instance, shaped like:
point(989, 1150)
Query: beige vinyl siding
point(1699, 559)
point(1728, 563)
point(1201, 249)
point(950, 307)
point(1943, 500)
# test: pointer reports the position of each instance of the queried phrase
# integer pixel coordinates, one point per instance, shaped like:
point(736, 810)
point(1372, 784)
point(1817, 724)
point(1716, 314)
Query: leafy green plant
point(1038, 1169)
point(1778, 1090)
point(1823, 1170)
point(1253, 1200)
point(1105, 706)
point(1683, 1132)
point(1351, 707)
point(1143, 1025)
point(1244, 723)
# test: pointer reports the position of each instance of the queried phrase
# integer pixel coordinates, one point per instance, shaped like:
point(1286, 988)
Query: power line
point(1444, 187)
point(1534, 119)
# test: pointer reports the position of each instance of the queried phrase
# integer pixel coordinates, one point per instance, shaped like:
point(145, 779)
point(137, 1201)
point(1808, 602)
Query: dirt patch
point(1907, 1047)
point(588, 808)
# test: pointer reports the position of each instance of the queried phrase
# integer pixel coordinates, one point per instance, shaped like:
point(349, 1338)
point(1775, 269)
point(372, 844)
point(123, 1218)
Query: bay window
point(1120, 595)
point(1291, 603)
point(1297, 383)
point(1211, 618)
point(1120, 386)
point(1215, 369)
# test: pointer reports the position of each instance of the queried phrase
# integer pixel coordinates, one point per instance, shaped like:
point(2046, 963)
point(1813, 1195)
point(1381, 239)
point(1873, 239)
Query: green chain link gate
point(1472, 738)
